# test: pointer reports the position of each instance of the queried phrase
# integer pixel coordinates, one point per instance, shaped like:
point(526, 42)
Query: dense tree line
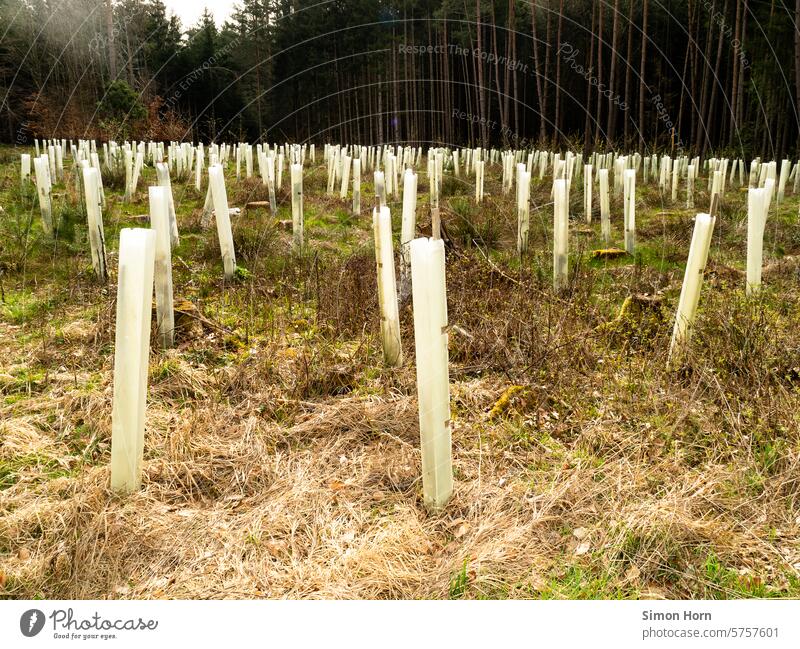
point(699, 75)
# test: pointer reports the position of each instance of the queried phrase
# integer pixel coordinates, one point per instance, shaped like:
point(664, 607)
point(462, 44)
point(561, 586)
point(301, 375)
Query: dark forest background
point(697, 75)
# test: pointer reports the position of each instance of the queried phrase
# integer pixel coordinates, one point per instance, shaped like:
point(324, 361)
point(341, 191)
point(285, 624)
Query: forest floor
point(282, 458)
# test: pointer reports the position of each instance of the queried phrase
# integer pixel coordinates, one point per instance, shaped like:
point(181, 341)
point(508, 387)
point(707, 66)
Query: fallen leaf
point(461, 530)
point(580, 533)
point(336, 485)
point(652, 592)
point(633, 573)
point(583, 548)
point(537, 582)
point(276, 548)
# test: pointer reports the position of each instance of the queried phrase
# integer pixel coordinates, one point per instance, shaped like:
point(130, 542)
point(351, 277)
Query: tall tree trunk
point(557, 130)
point(642, 84)
point(481, 88)
point(737, 35)
point(547, 54)
point(599, 115)
point(742, 38)
point(397, 121)
point(687, 56)
point(797, 59)
point(628, 68)
point(468, 93)
point(515, 98)
point(702, 131)
point(432, 85)
point(587, 127)
point(694, 48)
point(406, 88)
point(380, 110)
point(510, 60)
point(448, 89)
point(715, 83)
point(112, 46)
point(129, 59)
point(502, 106)
point(537, 72)
point(612, 112)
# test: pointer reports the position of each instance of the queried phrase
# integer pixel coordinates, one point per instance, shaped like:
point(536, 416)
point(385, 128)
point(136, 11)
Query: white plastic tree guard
point(692, 283)
point(605, 211)
point(676, 165)
point(769, 190)
point(162, 173)
point(587, 192)
point(716, 186)
point(198, 168)
point(629, 197)
point(297, 205)
point(356, 186)
point(159, 221)
point(560, 234)
point(94, 219)
point(784, 176)
point(128, 156)
point(756, 220)
point(248, 161)
point(131, 356)
point(389, 175)
point(480, 167)
point(387, 288)
point(96, 164)
point(523, 209)
point(43, 187)
point(216, 182)
point(407, 230)
point(331, 173)
point(25, 167)
point(433, 181)
point(433, 378)
point(51, 159)
point(345, 177)
point(270, 167)
point(137, 168)
point(380, 188)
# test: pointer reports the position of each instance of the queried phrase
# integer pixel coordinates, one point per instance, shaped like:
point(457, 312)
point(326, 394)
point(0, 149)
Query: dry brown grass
point(283, 461)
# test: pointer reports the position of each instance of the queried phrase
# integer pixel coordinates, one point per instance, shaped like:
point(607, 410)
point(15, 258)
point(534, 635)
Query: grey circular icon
point(31, 622)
